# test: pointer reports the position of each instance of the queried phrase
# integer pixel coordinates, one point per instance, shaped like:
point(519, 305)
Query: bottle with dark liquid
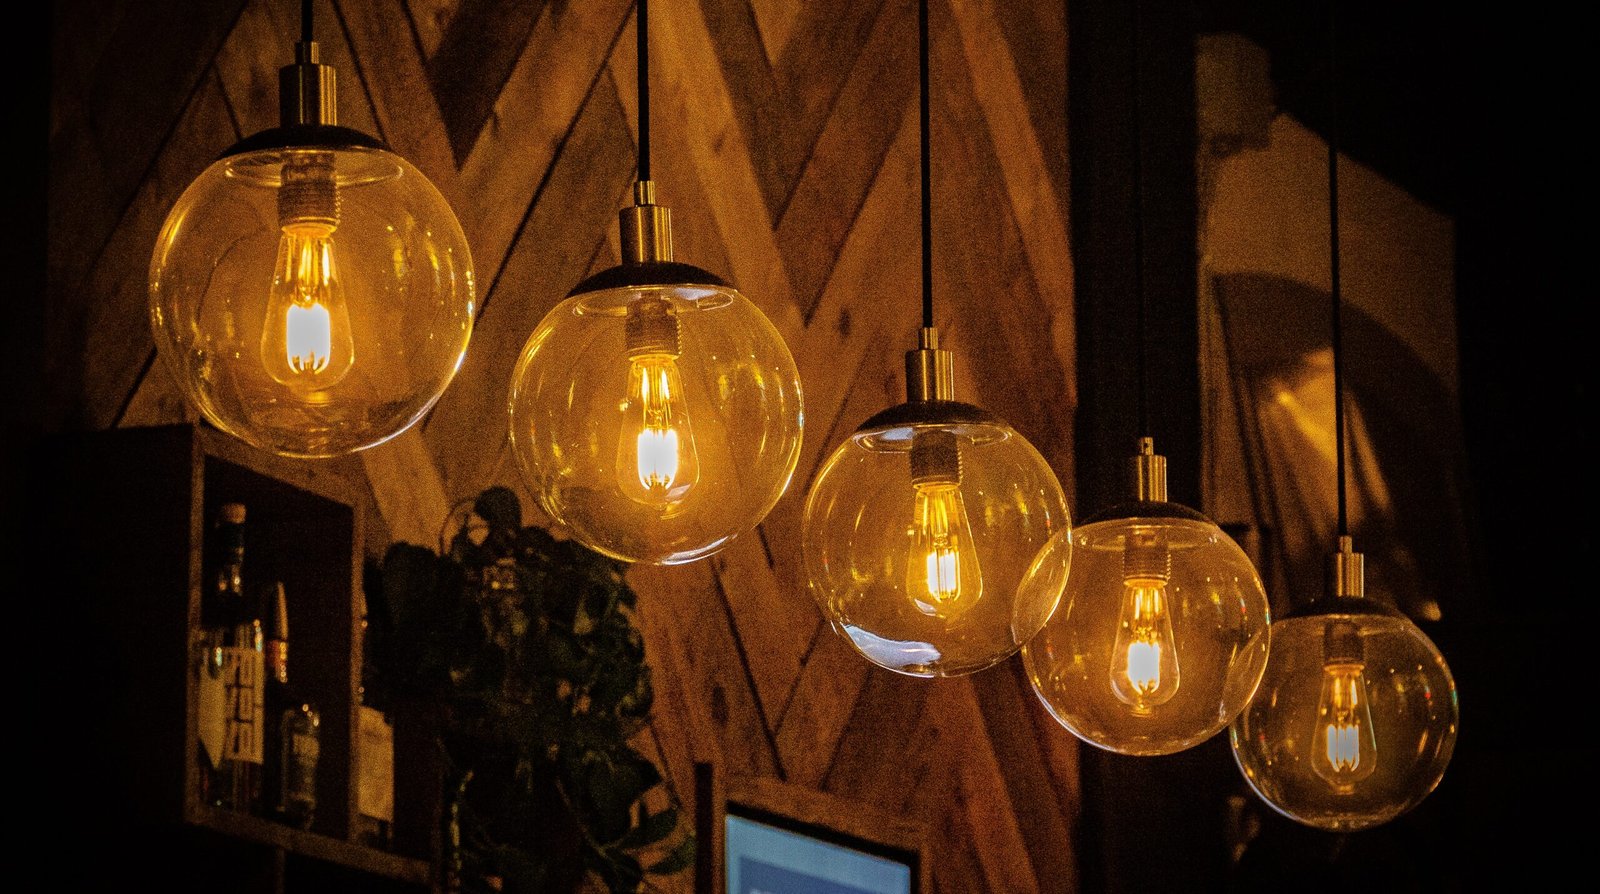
point(297, 729)
point(230, 692)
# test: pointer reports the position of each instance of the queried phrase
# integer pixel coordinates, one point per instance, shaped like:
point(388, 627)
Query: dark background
point(1473, 110)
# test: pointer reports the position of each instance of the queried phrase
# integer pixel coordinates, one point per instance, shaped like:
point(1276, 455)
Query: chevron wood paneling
point(784, 138)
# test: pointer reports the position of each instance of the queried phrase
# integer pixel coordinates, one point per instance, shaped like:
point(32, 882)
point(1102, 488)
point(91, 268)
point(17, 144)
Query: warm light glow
point(942, 575)
point(306, 343)
point(1344, 750)
point(657, 463)
point(1146, 672)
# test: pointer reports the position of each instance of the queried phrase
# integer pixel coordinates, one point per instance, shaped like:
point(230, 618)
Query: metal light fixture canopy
point(311, 292)
point(656, 412)
point(921, 524)
point(1356, 717)
point(1162, 632)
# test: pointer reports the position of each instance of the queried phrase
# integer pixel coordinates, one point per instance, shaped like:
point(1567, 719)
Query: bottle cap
point(233, 513)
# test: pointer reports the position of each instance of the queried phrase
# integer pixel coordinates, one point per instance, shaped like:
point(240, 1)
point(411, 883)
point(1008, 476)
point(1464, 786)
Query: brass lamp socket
point(309, 196)
point(306, 93)
point(1347, 571)
point(1341, 644)
point(935, 457)
point(646, 227)
point(930, 372)
point(1145, 557)
point(1150, 473)
point(651, 327)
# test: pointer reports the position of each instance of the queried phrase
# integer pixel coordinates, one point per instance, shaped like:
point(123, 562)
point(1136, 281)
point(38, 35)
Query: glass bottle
point(297, 729)
point(229, 714)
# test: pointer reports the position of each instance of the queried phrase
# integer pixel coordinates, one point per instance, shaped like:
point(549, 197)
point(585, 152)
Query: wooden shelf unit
point(128, 517)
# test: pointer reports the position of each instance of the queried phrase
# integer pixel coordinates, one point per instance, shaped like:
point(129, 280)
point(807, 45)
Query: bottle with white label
point(231, 690)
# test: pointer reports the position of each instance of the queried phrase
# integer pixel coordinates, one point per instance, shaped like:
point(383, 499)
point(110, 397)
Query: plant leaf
point(499, 507)
point(681, 858)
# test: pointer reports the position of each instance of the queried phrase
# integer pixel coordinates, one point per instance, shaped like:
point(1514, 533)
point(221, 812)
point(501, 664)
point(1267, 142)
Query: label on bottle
point(212, 705)
point(300, 775)
point(244, 678)
point(375, 766)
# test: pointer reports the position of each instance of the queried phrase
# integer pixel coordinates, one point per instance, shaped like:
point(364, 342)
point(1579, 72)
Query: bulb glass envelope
point(1213, 624)
point(866, 563)
point(402, 307)
point(721, 445)
point(1282, 740)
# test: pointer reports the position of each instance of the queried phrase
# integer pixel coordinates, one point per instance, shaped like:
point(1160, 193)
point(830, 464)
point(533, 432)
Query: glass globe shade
point(1161, 636)
point(318, 318)
point(660, 454)
point(1355, 719)
point(867, 548)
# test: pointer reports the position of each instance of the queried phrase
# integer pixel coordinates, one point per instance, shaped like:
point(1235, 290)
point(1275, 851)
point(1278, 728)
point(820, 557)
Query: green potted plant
point(524, 649)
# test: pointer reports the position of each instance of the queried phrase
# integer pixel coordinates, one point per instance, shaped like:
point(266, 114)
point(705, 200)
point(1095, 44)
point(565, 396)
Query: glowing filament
point(1144, 667)
point(1344, 750)
point(657, 463)
point(943, 576)
point(306, 342)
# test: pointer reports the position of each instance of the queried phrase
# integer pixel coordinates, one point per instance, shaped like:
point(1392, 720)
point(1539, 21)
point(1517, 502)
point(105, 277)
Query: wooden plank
point(143, 76)
point(816, 713)
point(1028, 172)
point(577, 205)
point(472, 60)
point(263, 42)
point(871, 305)
point(1042, 809)
point(1037, 36)
point(888, 714)
point(107, 344)
point(429, 21)
point(963, 753)
point(849, 148)
point(531, 120)
point(774, 621)
point(775, 21)
point(982, 278)
point(699, 675)
point(391, 71)
point(704, 130)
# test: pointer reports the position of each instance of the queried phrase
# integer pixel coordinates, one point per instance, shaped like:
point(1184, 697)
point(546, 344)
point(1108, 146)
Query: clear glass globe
point(922, 576)
point(312, 301)
point(1355, 719)
point(655, 423)
point(1162, 633)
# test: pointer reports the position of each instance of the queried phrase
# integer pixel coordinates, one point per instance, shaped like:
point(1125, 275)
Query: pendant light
point(655, 412)
point(919, 526)
point(311, 291)
point(1356, 716)
point(1161, 634)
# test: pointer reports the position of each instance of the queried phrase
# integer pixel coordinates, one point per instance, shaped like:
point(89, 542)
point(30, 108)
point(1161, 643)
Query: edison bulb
point(306, 343)
point(917, 531)
point(1144, 671)
point(1355, 720)
point(312, 300)
point(1162, 632)
point(657, 463)
point(943, 575)
point(1344, 747)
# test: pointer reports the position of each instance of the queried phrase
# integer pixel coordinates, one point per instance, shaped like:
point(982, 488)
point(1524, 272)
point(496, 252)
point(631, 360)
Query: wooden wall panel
point(784, 139)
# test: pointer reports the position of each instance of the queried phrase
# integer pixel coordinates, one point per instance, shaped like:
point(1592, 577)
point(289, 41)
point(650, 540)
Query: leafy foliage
point(527, 645)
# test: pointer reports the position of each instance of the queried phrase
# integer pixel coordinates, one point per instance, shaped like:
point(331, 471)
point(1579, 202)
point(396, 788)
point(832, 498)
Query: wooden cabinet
point(126, 518)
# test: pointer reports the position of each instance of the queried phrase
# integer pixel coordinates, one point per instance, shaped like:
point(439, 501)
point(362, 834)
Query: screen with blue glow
point(764, 859)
